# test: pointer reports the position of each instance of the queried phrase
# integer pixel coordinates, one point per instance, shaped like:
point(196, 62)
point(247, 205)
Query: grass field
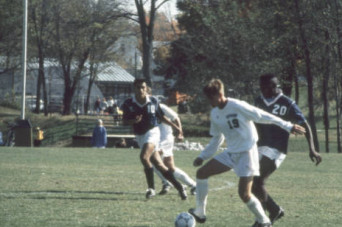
point(88, 187)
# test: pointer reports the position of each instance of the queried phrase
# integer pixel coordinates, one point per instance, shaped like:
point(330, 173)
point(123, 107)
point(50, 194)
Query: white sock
point(255, 206)
point(183, 177)
point(202, 188)
point(160, 175)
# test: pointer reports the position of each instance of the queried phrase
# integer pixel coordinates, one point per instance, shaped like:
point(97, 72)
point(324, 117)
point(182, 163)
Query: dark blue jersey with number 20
point(150, 111)
point(285, 108)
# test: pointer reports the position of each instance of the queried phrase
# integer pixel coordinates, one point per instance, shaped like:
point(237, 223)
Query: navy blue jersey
point(150, 111)
point(285, 108)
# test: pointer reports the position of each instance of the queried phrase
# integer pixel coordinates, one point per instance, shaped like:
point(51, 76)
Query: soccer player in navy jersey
point(273, 140)
point(143, 112)
point(232, 119)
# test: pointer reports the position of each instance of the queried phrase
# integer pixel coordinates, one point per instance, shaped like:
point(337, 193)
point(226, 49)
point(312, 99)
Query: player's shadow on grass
point(72, 195)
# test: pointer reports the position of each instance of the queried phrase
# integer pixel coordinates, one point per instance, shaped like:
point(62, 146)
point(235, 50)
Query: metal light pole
point(24, 56)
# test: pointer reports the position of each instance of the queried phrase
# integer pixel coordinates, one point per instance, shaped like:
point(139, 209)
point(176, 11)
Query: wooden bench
point(112, 140)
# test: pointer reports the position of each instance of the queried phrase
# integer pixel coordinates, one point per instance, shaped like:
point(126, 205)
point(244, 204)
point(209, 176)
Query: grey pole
point(24, 56)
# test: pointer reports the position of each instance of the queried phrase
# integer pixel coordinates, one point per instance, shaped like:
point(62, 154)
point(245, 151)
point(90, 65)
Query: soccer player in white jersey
point(166, 149)
point(232, 119)
point(273, 141)
point(143, 112)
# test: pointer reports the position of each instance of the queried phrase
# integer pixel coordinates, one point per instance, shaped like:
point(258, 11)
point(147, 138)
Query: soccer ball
point(185, 219)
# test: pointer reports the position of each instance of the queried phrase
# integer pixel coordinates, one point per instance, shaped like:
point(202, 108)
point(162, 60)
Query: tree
point(103, 37)
point(237, 41)
point(215, 42)
point(40, 20)
point(146, 23)
point(309, 76)
point(75, 32)
point(10, 38)
point(337, 53)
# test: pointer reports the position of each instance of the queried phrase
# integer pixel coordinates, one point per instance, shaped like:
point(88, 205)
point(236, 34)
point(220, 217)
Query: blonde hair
point(99, 122)
point(213, 88)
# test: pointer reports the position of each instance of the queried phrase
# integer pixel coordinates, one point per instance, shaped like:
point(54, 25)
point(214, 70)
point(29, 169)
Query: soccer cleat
point(166, 188)
point(193, 190)
point(150, 193)
point(277, 215)
point(183, 194)
point(197, 218)
point(257, 224)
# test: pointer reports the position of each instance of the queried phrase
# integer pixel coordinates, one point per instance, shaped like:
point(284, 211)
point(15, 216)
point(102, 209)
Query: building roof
point(108, 71)
point(112, 72)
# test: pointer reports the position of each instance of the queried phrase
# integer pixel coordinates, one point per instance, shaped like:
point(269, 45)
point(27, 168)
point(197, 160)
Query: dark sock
point(169, 176)
point(149, 177)
point(270, 205)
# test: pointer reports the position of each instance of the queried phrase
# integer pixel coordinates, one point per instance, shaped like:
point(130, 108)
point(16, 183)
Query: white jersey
point(165, 129)
point(235, 123)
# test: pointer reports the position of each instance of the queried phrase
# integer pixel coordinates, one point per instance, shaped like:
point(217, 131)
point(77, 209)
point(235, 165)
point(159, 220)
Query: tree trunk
point(39, 79)
point(92, 77)
point(296, 89)
point(338, 114)
point(147, 55)
point(309, 76)
point(337, 81)
point(290, 74)
point(147, 36)
point(86, 105)
point(41, 83)
point(71, 84)
point(44, 95)
point(67, 100)
point(326, 76)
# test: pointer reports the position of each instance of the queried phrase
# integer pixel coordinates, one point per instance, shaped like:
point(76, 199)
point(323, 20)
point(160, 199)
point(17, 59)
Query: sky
point(167, 8)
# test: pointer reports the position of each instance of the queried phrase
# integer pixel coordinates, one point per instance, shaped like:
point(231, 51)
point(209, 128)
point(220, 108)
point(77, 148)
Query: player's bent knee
point(258, 184)
point(245, 197)
point(145, 161)
point(201, 174)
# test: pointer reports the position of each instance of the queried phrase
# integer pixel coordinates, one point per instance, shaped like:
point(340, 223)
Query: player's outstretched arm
point(215, 142)
point(313, 154)
point(167, 121)
point(180, 136)
point(298, 130)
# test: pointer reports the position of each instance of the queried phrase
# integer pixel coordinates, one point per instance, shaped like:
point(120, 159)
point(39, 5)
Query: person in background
point(273, 140)
point(39, 137)
point(104, 106)
point(110, 103)
point(97, 106)
point(99, 137)
point(129, 143)
point(117, 115)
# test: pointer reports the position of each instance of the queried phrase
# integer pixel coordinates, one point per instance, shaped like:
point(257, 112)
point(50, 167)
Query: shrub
point(10, 101)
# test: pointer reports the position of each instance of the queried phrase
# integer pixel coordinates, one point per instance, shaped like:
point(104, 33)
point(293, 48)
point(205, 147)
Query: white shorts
point(244, 164)
point(151, 136)
point(167, 147)
point(272, 154)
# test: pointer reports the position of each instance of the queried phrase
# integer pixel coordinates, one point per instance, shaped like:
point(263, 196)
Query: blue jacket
point(99, 138)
